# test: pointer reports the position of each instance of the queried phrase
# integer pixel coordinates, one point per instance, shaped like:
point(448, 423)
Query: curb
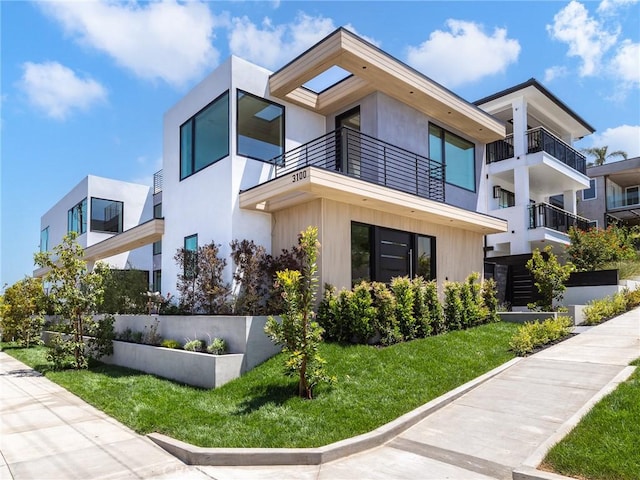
point(193, 455)
point(528, 470)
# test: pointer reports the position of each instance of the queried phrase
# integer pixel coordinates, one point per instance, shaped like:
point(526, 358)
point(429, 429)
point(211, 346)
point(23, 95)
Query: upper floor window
point(632, 195)
point(44, 240)
point(590, 193)
point(204, 138)
point(260, 127)
point(77, 218)
point(106, 215)
point(505, 198)
point(457, 154)
point(157, 247)
point(157, 210)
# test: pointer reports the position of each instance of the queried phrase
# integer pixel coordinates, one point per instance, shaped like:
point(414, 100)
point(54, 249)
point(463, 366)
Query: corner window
point(260, 127)
point(590, 193)
point(457, 154)
point(157, 247)
point(190, 256)
point(77, 218)
point(157, 210)
point(204, 138)
point(44, 240)
point(106, 215)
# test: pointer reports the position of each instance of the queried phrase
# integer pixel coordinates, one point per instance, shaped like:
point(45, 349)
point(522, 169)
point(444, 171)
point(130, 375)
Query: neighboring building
point(251, 154)
point(109, 216)
point(534, 173)
point(613, 196)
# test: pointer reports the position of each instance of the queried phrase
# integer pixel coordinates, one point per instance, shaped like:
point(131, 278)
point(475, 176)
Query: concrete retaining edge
point(193, 455)
point(528, 470)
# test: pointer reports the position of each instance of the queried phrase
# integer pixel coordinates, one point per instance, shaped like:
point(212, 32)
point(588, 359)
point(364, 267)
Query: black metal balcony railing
point(355, 154)
point(538, 140)
point(545, 215)
point(157, 182)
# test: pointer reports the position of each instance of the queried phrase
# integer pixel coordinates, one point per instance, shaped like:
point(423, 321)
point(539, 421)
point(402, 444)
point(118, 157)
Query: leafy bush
point(60, 352)
point(217, 346)
point(195, 346)
point(169, 343)
point(597, 311)
point(592, 249)
point(535, 334)
point(549, 276)
point(421, 310)
point(21, 309)
point(386, 323)
point(404, 294)
point(436, 314)
point(101, 332)
point(453, 306)
point(490, 300)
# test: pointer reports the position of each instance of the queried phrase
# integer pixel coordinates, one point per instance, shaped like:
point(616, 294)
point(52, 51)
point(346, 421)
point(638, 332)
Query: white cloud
point(624, 137)
point(586, 37)
point(160, 40)
point(477, 54)
point(626, 63)
point(272, 45)
point(57, 90)
point(611, 6)
point(552, 73)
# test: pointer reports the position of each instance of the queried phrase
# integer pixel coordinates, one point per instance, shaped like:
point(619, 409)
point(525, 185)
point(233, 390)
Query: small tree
point(549, 276)
point(125, 291)
point(592, 249)
point(21, 311)
point(247, 257)
point(74, 290)
point(298, 333)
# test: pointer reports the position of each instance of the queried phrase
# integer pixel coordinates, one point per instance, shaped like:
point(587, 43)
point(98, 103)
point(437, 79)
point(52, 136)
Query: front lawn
point(375, 385)
point(605, 445)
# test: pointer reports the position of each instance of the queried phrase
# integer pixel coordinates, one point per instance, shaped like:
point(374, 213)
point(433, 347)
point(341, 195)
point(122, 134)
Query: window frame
point(190, 274)
point(444, 161)
point(192, 122)
point(82, 222)
point(44, 238)
point(120, 223)
point(283, 136)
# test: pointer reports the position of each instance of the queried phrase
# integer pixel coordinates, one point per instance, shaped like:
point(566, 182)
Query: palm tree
point(601, 155)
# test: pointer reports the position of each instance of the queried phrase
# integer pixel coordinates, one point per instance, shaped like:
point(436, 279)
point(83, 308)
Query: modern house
point(387, 164)
point(613, 194)
point(113, 219)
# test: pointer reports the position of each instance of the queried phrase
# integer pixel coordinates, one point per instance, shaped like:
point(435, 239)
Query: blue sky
point(85, 84)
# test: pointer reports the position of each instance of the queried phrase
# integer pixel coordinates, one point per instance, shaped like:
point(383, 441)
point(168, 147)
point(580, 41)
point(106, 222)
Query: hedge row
point(597, 311)
point(406, 309)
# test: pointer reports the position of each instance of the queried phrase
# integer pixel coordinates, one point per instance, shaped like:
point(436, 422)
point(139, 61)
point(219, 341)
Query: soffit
point(281, 193)
point(374, 70)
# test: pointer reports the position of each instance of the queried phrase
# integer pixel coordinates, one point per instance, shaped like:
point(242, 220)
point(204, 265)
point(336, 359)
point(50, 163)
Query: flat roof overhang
point(374, 70)
point(136, 237)
point(316, 183)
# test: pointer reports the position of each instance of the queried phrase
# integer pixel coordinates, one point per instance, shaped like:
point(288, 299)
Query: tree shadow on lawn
point(262, 395)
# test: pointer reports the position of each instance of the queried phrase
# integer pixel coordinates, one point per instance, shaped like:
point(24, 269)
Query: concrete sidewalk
point(506, 423)
point(48, 433)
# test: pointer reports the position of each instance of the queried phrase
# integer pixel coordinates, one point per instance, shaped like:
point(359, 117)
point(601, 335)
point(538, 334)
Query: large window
point(190, 256)
point(379, 254)
point(106, 215)
point(157, 247)
point(260, 127)
point(157, 210)
point(77, 218)
point(157, 281)
point(44, 240)
point(632, 195)
point(204, 138)
point(458, 155)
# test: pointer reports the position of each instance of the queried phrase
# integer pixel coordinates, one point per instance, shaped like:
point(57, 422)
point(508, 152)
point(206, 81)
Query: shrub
point(60, 352)
point(436, 314)
point(401, 288)
point(633, 298)
point(453, 306)
point(247, 256)
point(328, 315)
point(597, 311)
point(473, 310)
point(150, 334)
point(421, 307)
point(21, 309)
point(195, 345)
point(591, 249)
point(386, 323)
point(363, 313)
point(490, 300)
point(535, 334)
point(549, 276)
point(217, 346)
point(102, 334)
point(169, 343)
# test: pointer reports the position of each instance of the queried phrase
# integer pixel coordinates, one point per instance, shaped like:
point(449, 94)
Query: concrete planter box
point(197, 369)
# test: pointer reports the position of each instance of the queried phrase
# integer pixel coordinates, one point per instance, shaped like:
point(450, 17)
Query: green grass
point(606, 442)
point(260, 409)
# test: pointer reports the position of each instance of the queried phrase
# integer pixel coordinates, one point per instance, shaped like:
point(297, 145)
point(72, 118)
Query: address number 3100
point(296, 177)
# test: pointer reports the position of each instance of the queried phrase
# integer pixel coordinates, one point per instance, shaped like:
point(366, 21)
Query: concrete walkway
point(504, 424)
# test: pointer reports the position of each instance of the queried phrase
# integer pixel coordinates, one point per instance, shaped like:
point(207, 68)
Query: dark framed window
point(379, 254)
point(106, 215)
point(190, 256)
point(77, 218)
point(590, 193)
point(204, 138)
point(157, 281)
point(44, 240)
point(457, 154)
point(157, 210)
point(260, 127)
point(632, 195)
point(505, 198)
point(157, 247)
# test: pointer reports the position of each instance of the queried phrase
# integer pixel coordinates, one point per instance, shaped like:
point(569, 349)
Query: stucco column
point(570, 204)
point(519, 112)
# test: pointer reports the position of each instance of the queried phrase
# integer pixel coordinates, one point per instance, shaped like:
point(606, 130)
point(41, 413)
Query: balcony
point(548, 216)
point(539, 140)
point(354, 154)
point(157, 182)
